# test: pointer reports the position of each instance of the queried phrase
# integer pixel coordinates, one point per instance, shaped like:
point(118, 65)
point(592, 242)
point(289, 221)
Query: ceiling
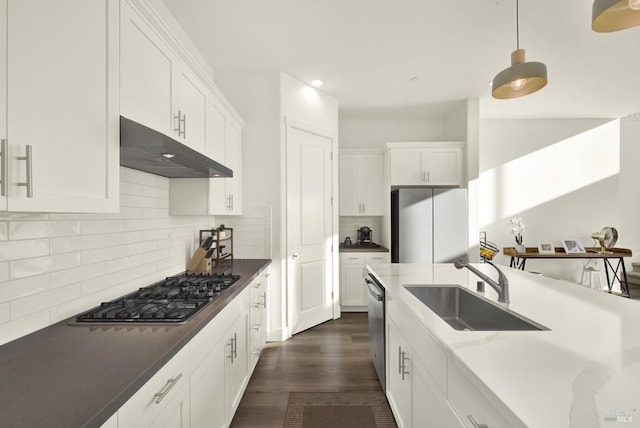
point(420, 58)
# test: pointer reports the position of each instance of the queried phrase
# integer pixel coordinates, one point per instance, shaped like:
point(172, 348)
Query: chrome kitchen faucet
point(501, 287)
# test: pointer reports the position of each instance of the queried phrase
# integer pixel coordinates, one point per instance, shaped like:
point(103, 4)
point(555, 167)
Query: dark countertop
point(75, 376)
point(363, 249)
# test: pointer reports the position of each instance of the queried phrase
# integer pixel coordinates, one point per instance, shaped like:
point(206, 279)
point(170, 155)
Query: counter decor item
point(573, 246)
point(607, 238)
point(517, 227)
point(487, 248)
point(546, 248)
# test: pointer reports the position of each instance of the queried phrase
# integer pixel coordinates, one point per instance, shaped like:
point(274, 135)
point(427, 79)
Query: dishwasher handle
point(373, 290)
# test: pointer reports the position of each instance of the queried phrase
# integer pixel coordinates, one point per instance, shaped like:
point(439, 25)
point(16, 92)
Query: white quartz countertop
point(583, 372)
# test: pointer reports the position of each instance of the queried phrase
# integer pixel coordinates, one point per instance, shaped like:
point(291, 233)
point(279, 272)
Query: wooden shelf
point(591, 253)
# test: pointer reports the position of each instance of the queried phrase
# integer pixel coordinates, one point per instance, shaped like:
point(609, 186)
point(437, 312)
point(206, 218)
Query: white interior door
point(309, 229)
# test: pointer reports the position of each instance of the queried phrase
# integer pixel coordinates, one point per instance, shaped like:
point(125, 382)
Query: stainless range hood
point(147, 150)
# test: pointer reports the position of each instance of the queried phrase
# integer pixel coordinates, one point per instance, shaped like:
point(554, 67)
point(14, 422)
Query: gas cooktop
point(171, 301)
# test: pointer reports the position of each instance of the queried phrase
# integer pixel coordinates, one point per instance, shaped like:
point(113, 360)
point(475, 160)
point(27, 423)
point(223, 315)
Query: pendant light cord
point(517, 25)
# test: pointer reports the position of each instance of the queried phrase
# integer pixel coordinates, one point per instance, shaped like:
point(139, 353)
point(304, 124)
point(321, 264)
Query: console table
point(617, 273)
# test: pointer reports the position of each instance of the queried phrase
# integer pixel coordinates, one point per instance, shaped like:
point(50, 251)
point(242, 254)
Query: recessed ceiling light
point(317, 83)
point(168, 155)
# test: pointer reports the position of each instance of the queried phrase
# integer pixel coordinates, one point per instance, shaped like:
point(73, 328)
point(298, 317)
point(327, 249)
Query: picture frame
point(546, 248)
point(573, 246)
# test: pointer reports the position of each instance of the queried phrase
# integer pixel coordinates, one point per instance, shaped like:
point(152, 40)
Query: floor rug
point(338, 410)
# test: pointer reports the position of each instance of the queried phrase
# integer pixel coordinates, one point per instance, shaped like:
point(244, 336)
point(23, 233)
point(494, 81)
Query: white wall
point(53, 266)
point(561, 176)
point(373, 133)
point(629, 184)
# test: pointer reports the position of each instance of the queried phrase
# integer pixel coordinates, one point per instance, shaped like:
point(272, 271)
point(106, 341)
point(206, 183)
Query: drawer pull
point(476, 424)
point(258, 285)
point(170, 384)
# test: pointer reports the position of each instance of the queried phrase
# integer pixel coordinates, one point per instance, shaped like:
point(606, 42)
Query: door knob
point(295, 255)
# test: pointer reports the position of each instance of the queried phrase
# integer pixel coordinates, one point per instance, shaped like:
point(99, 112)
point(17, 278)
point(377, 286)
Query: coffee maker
point(365, 236)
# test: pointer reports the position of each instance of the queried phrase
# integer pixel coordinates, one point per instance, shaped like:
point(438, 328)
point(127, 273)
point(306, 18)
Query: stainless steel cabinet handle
point(264, 300)
point(235, 346)
point(256, 327)
point(364, 208)
point(428, 176)
point(231, 197)
point(476, 424)
point(159, 396)
point(5, 167)
point(400, 360)
point(29, 159)
point(179, 122)
point(257, 285)
point(230, 356)
point(184, 126)
point(404, 366)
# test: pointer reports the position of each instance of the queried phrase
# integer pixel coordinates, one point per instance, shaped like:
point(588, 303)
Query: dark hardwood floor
point(333, 356)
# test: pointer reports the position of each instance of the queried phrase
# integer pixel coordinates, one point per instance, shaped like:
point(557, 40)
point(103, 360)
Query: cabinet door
point(62, 102)
point(350, 201)
point(371, 184)
point(236, 364)
point(207, 390)
point(429, 406)
point(189, 113)
point(444, 166)
point(146, 69)
point(352, 292)
point(176, 412)
point(398, 376)
point(407, 166)
point(3, 95)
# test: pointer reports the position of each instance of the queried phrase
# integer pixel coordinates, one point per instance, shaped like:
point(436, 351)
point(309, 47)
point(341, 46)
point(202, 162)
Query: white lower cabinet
point(414, 396)
point(202, 385)
point(163, 394)
point(353, 294)
point(258, 317)
point(471, 402)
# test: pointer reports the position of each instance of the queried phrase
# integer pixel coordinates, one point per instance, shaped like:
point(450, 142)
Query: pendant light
point(615, 15)
point(522, 78)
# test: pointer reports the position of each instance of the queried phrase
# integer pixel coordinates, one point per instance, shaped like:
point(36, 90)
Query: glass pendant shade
point(614, 15)
point(522, 78)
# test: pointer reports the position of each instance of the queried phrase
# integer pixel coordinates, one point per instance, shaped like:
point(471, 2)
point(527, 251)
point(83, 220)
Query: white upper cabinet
point(213, 196)
point(61, 122)
point(361, 184)
point(426, 164)
point(146, 68)
point(189, 113)
point(157, 89)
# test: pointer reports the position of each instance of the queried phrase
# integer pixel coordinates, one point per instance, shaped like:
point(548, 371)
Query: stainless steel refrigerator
point(428, 225)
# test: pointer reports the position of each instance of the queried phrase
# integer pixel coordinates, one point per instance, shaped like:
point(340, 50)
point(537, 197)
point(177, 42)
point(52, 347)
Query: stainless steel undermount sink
point(464, 310)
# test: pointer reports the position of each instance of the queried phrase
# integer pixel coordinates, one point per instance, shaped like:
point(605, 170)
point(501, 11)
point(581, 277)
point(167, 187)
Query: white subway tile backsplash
point(12, 290)
point(93, 227)
point(76, 243)
point(43, 229)
point(45, 300)
point(53, 266)
point(5, 312)
point(15, 250)
point(39, 265)
point(101, 283)
point(102, 254)
point(4, 231)
point(76, 275)
point(19, 327)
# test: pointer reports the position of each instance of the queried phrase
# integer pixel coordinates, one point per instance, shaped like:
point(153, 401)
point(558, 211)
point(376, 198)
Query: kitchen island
point(73, 376)
point(584, 371)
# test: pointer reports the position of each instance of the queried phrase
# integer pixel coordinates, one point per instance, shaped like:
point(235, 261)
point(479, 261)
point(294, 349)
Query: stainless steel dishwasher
point(375, 303)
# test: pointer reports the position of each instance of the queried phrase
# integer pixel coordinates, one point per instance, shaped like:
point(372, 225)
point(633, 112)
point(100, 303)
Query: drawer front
point(471, 401)
point(373, 258)
point(352, 258)
point(150, 400)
